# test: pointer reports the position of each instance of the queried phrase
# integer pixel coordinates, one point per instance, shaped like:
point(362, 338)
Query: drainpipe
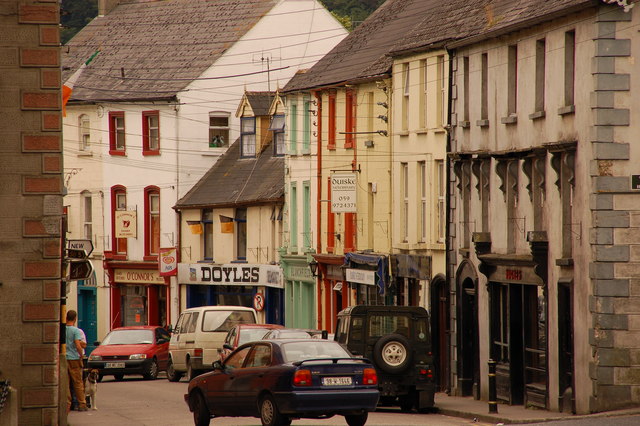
point(318, 96)
point(448, 255)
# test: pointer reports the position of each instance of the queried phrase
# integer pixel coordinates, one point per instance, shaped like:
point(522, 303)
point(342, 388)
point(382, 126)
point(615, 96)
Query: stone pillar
point(30, 205)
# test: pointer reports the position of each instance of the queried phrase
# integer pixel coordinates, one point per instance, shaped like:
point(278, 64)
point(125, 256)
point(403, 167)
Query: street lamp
point(313, 266)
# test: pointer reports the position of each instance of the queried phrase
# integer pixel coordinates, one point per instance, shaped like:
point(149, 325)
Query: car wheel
point(269, 414)
point(151, 372)
point(201, 414)
point(172, 374)
point(118, 377)
point(357, 419)
point(392, 353)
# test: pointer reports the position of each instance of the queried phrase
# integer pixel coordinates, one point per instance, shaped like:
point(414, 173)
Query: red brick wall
point(31, 206)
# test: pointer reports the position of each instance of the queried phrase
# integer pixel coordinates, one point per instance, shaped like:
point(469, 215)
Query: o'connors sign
point(230, 274)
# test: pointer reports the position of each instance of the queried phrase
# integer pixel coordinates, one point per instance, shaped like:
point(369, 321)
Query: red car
point(132, 350)
point(244, 333)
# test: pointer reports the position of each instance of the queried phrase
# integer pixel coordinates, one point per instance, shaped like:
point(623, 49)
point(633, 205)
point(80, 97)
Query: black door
point(440, 332)
point(469, 375)
point(565, 346)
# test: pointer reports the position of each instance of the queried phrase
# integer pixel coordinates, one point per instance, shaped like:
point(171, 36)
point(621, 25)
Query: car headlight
point(138, 356)
point(95, 358)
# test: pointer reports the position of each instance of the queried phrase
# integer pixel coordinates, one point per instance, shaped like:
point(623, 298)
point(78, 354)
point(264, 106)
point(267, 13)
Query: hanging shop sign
point(126, 221)
point(343, 192)
point(230, 274)
point(361, 276)
point(138, 276)
point(168, 264)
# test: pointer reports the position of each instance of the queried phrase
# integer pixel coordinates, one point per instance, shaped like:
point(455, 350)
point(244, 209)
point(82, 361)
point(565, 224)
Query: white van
point(199, 335)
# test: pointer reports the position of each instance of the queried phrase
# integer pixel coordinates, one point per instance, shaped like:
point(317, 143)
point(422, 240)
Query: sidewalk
point(467, 407)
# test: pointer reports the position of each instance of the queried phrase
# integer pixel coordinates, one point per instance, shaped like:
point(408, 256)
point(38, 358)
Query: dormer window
point(277, 127)
point(248, 136)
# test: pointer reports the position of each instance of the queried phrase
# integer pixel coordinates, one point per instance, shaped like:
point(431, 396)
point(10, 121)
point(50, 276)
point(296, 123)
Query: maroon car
point(244, 333)
point(132, 350)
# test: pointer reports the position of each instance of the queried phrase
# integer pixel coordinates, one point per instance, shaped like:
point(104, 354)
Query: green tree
point(75, 14)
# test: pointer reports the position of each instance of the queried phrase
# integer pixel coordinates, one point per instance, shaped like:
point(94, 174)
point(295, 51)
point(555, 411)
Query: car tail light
point(370, 377)
point(426, 372)
point(302, 378)
point(197, 352)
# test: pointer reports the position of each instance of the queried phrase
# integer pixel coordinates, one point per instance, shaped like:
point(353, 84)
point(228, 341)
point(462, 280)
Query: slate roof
point(260, 102)
point(467, 20)
point(363, 53)
point(160, 46)
point(235, 181)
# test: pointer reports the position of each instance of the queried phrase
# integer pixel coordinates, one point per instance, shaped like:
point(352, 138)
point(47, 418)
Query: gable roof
point(260, 102)
point(160, 46)
point(458, 22)
point(234, 181)
point(363, 53)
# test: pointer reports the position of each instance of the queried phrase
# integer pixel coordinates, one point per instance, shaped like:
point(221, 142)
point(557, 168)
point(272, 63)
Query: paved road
point(139, 402)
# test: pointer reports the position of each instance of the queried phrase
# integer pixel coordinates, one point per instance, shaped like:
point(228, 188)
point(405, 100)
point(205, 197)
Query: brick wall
point(30, 206)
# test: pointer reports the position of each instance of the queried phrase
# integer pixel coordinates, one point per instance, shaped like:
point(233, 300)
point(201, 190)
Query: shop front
point(251, 285)
point(368, 277)
point(408, 271)
point(138, 296)
point(333, 295)
point(299, 291)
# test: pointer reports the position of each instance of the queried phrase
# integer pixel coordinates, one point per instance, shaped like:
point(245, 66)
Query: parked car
point(289, 333)
point(280, 380)
point(198, 337)
point(398, 341)
point(244, 333)
point(131, 350)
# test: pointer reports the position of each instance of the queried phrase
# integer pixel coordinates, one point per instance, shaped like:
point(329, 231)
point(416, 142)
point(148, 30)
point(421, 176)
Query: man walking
point(75, 346)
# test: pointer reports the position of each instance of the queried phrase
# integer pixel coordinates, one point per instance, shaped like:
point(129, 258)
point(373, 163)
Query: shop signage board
point(230, 274)
point(85, 245)
point(300, 273)
point(361, 276)
point(126, 224)
point(138, 276)
point(343, 192)
point(168, 264)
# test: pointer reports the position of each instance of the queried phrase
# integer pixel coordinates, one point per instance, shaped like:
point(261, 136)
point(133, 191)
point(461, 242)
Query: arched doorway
point(467, 328)
point(440, 331)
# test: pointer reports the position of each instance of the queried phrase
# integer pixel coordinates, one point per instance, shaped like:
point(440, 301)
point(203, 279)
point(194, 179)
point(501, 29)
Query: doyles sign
point(230, 274)
point(343, 192)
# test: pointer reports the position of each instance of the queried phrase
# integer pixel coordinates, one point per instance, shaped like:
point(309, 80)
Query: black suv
point(398, 342)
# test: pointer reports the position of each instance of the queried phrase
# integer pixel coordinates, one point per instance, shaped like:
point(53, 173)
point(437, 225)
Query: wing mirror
point(217, 365)
point(227, 346)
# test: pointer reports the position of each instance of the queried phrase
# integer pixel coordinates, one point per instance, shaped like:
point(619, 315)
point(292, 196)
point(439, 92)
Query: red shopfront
point(139, 296)
point(333, 293)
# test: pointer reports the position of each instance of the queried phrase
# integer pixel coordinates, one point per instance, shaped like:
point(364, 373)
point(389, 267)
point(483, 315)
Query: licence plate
point(336, 381)
point(114, 365)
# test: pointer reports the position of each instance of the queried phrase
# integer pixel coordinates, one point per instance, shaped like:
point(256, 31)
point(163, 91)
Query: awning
point(375, 260)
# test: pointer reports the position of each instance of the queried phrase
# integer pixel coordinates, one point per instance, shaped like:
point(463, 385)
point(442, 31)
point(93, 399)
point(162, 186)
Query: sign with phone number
point(343, 192)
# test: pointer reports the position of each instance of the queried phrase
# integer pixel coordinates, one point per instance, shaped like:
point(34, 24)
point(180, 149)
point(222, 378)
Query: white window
point(277, 127)
point(404, 182)
point(405, 98)
point(422, 165)
point(218, 129)
point(442, 92)
point(441, 179)
point(424, 99)
point(85, 132)
point(248, 136)
point(87, 214)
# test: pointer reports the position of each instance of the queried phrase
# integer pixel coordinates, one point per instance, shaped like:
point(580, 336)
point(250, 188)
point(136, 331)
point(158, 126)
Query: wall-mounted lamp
point(313, 266)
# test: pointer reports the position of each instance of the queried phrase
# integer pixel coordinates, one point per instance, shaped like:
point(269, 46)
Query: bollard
point(493, 403)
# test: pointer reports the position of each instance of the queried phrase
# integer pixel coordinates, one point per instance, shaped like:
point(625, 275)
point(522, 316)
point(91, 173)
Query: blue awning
point(378, 261)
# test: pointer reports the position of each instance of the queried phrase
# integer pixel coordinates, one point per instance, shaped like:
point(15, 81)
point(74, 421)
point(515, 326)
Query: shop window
point(118, 203)
point(499, 314)
point(84, 126)
point(150, 132)
point(152, 222)
point(248, 136)
point(134, 305)
point(218, 129)
point(117, 133)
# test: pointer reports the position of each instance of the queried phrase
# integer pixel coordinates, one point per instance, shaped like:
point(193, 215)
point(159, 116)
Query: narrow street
point(140, 402)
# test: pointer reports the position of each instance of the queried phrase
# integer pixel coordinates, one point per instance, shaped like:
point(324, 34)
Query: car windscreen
point(251, 334)
point(225, 320)
point(298, 351)
point(128, 337)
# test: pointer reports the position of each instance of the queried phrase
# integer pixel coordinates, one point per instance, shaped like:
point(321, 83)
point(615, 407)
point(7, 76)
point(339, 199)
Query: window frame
point(442, 214)
point(119, 246)
point(84, 130)
point(215, 128)
point(151, 217)
point(404, 191)
point(207, 225)
point(87, 215)
point(245, 134)
point(293, 129)
point(279, 144)
point(331, 137)
point(424, 221)
point(115, 131)
point(241, 237)
point(306, 125)
point(147, 129)
point(406, 92)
